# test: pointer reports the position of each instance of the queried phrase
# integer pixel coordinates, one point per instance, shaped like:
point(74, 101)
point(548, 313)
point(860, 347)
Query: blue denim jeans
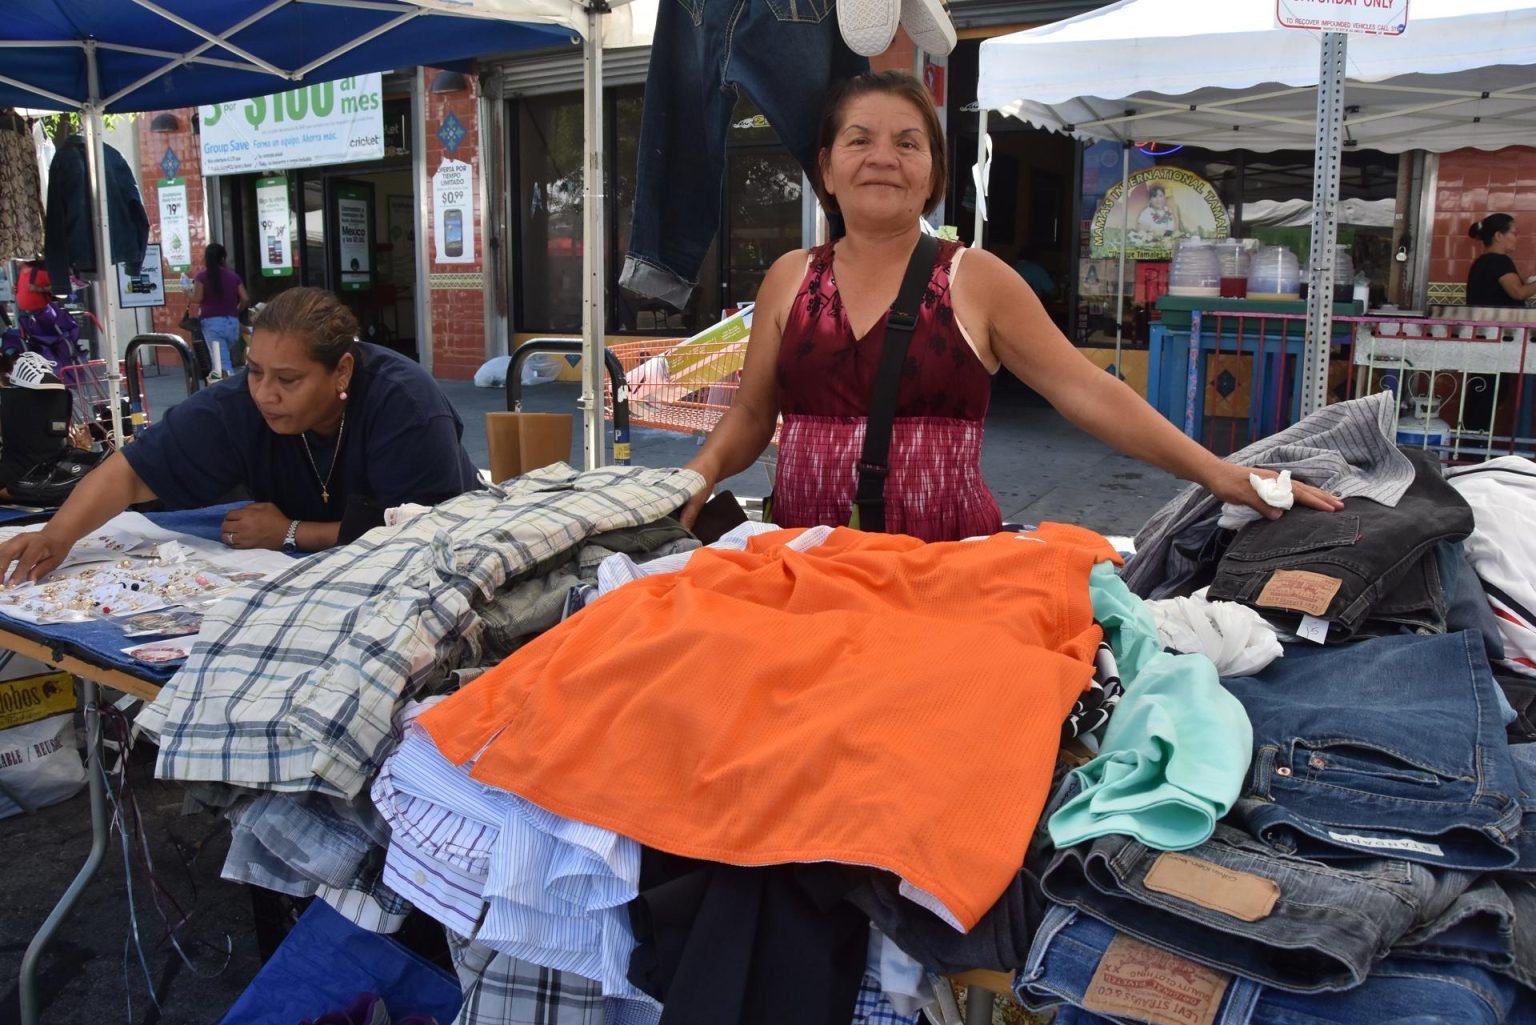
point(1492, 925)
point(1326, 925)
point(221, 333)
point(784, 53)
point(1390, 747)
point(1524, 757)
point(1070, 945)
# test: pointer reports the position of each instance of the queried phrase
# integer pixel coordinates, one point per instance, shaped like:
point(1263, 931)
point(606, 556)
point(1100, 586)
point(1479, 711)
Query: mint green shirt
point(1177, 748)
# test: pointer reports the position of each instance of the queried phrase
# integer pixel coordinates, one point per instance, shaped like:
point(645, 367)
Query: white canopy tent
point(103, 56)
point(1226, 76)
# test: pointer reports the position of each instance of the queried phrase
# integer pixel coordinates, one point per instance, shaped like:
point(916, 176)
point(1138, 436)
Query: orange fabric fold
point(874, 701)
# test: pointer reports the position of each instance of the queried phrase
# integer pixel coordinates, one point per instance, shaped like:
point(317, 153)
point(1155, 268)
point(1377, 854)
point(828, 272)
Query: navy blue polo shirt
point(401, 443)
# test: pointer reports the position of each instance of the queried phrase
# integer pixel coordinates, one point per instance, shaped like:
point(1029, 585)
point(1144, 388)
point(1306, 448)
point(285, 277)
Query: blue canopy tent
point(105, 56)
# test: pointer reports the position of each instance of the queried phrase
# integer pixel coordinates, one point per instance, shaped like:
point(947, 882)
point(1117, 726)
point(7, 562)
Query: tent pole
point(1325, 222)
point(594, 302)
point(96, 176)
point(1125, 227)
point(983, 170)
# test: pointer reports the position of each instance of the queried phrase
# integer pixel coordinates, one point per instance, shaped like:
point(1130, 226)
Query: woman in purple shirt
point(219, 295)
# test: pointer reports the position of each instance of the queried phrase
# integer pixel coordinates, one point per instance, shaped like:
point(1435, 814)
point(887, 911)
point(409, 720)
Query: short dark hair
point(1156, 190)
point(314, 316)
point(1493, 224)
point(891, 83)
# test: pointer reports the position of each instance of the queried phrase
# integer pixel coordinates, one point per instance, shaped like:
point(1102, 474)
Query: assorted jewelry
point(116, 574)
point(125, 588)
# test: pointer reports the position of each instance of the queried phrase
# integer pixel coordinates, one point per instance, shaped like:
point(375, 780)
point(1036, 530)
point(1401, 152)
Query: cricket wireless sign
point(324, 123)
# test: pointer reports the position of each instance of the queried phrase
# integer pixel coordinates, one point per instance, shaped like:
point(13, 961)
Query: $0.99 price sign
point(453, 212)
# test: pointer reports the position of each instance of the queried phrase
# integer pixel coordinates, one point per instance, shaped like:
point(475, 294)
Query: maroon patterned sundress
point(825, 375)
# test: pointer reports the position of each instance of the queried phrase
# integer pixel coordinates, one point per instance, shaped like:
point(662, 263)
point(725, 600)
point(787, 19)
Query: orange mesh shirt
point(859, 702)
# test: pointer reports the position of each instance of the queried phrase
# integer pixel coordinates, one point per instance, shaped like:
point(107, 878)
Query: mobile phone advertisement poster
point(453, 212)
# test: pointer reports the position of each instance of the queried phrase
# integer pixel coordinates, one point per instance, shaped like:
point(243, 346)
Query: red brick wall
point(899, 56)
point(185, 145)
point(458, 314)
point(1475, 182)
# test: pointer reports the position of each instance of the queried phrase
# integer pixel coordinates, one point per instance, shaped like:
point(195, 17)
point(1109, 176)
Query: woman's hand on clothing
point(1230, 483)
point(258, 525)
point(690, 511)
point(996, 305)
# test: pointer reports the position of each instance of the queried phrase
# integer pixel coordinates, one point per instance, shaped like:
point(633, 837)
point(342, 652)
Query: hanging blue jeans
point(784, 53)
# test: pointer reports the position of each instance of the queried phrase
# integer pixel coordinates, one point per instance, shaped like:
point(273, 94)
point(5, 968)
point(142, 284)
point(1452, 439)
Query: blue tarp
point(293, 35)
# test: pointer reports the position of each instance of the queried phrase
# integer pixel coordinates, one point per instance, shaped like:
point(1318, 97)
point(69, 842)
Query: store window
point(761, 216)
point(1265, 196)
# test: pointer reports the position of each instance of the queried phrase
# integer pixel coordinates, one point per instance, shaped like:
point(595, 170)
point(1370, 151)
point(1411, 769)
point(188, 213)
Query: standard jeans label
point(1141, 981)
point(1385, 844)
point(1242, 895)
point(1300, 591)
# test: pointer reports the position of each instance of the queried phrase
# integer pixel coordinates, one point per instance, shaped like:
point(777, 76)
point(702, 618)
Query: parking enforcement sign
point(1361, 17)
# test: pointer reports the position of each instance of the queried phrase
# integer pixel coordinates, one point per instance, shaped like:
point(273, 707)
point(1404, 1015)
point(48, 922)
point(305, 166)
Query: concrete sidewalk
point(1039, 466)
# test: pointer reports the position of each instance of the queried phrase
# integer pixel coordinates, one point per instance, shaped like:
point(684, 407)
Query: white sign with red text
point(1362, 17)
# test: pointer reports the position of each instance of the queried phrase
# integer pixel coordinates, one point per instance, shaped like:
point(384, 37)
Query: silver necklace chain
point(325, 485)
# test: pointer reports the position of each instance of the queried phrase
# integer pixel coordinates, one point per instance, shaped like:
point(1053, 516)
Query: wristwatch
point(291, 539)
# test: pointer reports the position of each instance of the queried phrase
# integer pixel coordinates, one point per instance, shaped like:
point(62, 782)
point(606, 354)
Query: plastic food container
point(1232, 256)
point(1274, 273)
point(1196, 270)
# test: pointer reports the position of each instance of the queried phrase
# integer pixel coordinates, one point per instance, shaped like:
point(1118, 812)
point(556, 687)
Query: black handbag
point(51, 481)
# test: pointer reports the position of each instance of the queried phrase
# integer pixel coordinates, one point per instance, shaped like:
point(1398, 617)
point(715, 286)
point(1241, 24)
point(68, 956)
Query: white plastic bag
point(39, 745)
point(542, 368)
point(493, 372)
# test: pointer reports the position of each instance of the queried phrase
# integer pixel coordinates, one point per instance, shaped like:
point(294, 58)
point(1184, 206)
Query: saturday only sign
point(324, 123)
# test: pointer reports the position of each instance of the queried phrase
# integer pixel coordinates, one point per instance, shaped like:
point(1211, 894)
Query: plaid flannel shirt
point(292, 684)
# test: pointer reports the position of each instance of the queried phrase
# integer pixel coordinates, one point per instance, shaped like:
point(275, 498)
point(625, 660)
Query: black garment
point(998, 942)
point(68, 243)
point(1382, 558)
point(400, 443)
point(726, 945)
point(1520, 691)
point(34, 426)
point(1483, 288)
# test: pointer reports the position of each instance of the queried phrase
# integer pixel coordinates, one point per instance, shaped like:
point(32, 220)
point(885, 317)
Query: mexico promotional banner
point(1165, 204)
point(324, 123)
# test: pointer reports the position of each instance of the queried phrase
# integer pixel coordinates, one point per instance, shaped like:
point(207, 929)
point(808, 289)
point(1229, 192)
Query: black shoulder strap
point(874, 463)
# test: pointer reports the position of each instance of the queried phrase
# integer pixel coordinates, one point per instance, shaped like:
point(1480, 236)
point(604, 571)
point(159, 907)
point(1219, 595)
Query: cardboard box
point(519, 442)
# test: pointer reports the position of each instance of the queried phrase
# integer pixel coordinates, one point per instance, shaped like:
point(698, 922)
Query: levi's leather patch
point(1300, 591)
point(1143, 982)
point(1242, 895)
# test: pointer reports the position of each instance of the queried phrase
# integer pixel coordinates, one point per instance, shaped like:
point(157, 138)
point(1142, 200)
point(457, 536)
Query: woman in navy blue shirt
point(317, 419)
